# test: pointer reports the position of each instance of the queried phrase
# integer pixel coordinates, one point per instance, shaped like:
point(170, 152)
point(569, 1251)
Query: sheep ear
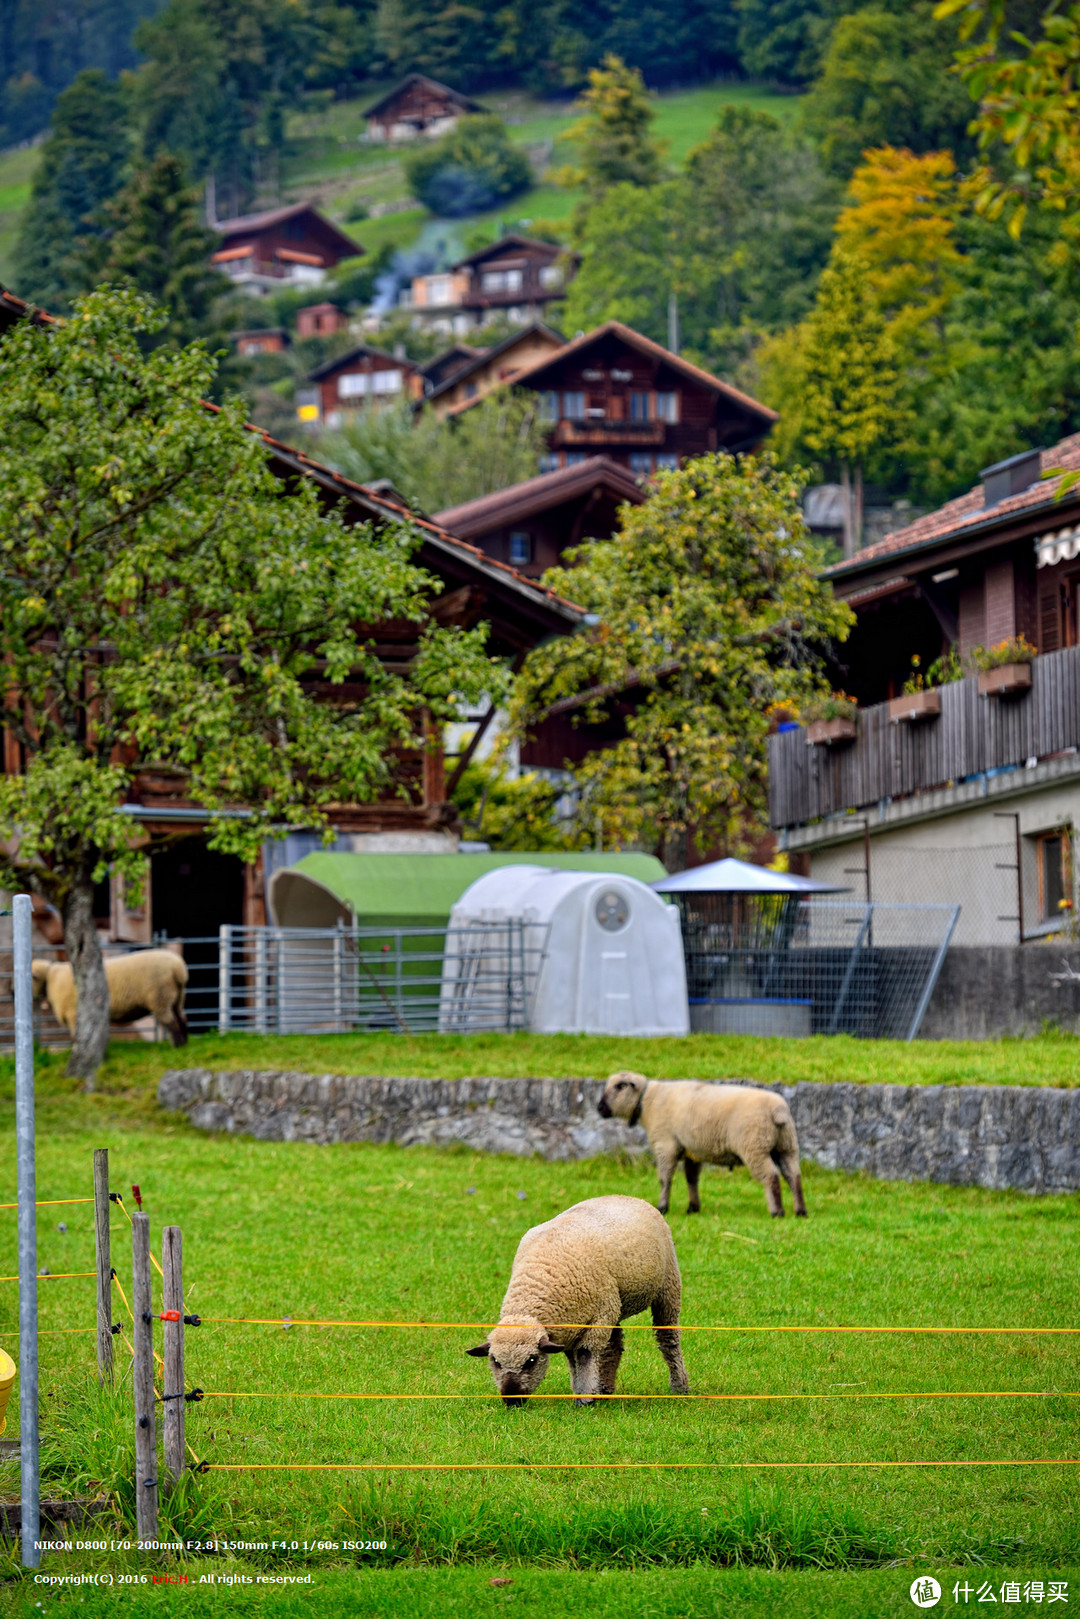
point(481, 1349)
point(546, 1347)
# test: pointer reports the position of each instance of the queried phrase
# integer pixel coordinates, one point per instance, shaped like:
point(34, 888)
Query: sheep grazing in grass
point(599, 1262)
point(146, 981)
point(697, 1124)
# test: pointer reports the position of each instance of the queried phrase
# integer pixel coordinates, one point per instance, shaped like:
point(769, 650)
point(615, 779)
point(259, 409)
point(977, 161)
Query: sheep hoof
point(694, 1208)
point(580, 1401)
point(801, 1214)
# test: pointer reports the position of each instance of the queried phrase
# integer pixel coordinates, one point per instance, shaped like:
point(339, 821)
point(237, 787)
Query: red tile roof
point(967, 512)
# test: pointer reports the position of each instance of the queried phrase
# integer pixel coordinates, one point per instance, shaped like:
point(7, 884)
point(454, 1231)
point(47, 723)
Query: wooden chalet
point(516, 278)
point(363, 377)
point(435, 372)
point(417, 106)
point(615, 393)
point(193, 890)
point(297, 245)
point(532, 524)
point(320, 320)
point(265, 340)
point(492, 368)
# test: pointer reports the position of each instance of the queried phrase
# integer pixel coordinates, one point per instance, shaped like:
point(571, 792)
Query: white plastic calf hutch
point(581, 952)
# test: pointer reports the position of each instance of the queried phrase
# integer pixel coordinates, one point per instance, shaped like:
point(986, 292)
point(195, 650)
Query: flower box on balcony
point(915, 706)
point(827, 733)
point(1005, 681)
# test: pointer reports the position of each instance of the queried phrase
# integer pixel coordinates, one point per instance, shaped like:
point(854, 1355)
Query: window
point(639, 407)
point(549, 405)
point(551, 275)
point(667, 407)
point(548, 461)
point(354, 385)
point(1055, 875)
point(521, 549)
point(640, 463)
point(666, 462)
point(501, 281)
point(440, 289)
point(574, 406)
point(573, 458)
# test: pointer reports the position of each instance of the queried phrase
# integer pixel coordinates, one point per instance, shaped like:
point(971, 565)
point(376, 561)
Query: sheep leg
point(667, 1156)
point(788, 1165)
point(609, 1362)
point(585, 1375)
point(693, 1170)
point(665, 1316)
point(764, 1170)
point(177, 1027)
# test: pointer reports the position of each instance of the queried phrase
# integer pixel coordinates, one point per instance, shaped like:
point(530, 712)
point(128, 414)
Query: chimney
point(1011, 477)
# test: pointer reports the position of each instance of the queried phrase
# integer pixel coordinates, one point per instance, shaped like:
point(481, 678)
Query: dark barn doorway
point(193, 890)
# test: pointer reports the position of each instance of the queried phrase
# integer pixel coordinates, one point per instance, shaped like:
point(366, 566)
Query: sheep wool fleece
point(144, 982)
point(600, 1261)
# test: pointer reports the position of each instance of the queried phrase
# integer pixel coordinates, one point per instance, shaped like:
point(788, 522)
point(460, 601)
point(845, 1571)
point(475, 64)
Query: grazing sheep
point(710, 1124)
point(599, 1262)
point(144, 981)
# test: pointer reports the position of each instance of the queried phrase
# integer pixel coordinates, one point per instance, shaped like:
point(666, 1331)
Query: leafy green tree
point(783, 41)
point(44, 46)
point(519, 811)
point(83, 164)
point(612, 140)
point(708, 604)
point(471, 168)
point(438, 464)
point(163, 599)
point(629, 242)
point(839, 380)
point(158, 243)
point(887, 79)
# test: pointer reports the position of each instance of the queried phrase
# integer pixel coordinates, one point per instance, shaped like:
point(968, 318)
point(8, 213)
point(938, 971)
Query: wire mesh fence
point(779, 965)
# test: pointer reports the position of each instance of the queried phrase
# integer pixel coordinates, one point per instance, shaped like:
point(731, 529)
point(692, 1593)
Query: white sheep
point(574, 1279)
point(146, 981)
point(710, 1124)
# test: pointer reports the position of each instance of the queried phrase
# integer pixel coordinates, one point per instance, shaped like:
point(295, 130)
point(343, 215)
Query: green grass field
point(381, 1233)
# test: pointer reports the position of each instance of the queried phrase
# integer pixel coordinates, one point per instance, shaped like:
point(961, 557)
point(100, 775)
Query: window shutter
point(1050, 636)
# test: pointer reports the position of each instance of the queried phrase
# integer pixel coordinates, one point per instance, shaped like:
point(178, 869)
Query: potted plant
point(921, 696)
point(832, 719)
point(1004, 669)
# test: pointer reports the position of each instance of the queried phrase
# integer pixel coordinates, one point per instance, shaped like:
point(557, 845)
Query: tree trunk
point(92, 1011)
point(849, 511)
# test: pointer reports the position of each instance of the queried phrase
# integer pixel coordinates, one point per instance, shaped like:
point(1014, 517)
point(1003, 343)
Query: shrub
point(836, 705)
point(941, 672)
point(472, 168)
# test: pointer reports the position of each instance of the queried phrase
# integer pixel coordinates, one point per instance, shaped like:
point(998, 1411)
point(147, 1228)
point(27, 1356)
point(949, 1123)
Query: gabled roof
point(243, 224)
point(484, 357)
point(968, 516)
point(456, 356)
point(540, 494)
point(505, 244)
point(361, 350)
point(535, 377)
point(456, 96)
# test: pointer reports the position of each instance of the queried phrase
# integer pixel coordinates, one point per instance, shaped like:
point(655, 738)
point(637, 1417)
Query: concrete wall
point(967, 1135)
point(984, 994)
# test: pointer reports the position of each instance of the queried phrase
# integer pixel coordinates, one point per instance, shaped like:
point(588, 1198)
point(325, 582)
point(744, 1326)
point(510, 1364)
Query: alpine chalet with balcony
point(293, 246)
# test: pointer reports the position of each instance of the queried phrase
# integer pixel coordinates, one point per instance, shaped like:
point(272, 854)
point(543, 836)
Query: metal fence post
point(30, 1520)
point(224, 976)
point(172, 1295)
point(142, 1339)
point(849, 972)
point(260, 980)
point(104, 1265)
point(339, 943)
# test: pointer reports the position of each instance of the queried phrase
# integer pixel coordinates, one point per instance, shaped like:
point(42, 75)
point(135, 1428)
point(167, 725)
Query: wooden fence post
point(172, 1265)
point(104, 1265)
point(142, 1338)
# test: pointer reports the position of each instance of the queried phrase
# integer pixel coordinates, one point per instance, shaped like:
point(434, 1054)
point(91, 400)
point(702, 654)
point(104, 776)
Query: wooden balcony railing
point(886, 761)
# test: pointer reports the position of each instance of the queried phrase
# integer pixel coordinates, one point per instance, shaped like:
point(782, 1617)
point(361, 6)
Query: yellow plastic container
point(7, 1377)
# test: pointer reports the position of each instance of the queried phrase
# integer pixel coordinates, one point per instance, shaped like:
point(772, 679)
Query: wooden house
point(320, 320)
point(615, 393)
point(532, 524)
point(493, 368)
point(435, 372)
point(363, 377)
point(417, 106)
point(515, 279)
point(266, 340)
point(297, 245)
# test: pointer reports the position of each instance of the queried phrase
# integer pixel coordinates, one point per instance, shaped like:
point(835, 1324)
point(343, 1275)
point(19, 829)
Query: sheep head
point(518, 1357)
point(40, 973)
point(622, 1095)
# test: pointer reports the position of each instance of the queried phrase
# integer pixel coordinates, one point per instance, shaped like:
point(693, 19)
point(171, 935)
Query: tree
point(782, 41)
point(886, 78)
point(43, 47)
point(438, 464)
point(83, 164)
point(842, 366)
point(612, 140)
point(709, 609)
point(473, 167)
point(629, 242)
point(163, 599)
point(158, 243)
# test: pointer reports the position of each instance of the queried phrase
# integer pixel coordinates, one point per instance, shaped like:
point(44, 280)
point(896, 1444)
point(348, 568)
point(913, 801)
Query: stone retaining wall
point(967, 1135)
